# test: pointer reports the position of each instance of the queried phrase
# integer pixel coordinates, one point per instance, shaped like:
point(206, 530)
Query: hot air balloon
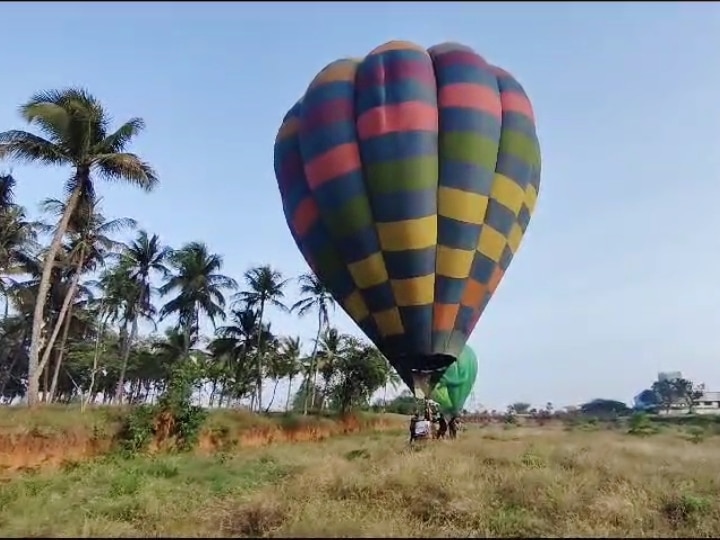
point(457, 382)
point(408, 179)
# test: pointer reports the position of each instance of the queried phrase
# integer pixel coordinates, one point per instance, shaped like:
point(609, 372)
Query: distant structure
point(709, 402)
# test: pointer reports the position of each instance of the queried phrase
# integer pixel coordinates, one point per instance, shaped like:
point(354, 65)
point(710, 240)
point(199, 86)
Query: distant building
point(709, 402)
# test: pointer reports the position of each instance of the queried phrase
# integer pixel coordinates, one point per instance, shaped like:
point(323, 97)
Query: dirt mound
point(212, 441)
point(21, 451)
point(34, 448)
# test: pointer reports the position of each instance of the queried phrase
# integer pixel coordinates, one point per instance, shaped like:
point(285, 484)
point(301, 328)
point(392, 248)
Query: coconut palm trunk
point(259, 355)
point(313, 369)
point(64, 310)
point(272, 398)
point(64, 320)
point(289, 394)
point(100, 335)
point(34, 367)
point(119, 391)
point(60, 354)
point(194, 331)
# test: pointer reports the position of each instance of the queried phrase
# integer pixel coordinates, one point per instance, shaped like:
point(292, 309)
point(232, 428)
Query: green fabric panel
point(470, 148)
point(412, 174)
point(521, 146)
point(457, 382)
point(353, 216)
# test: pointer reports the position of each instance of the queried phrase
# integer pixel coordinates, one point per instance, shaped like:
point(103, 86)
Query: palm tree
point(199, 285)
point(142, 259)
point(276, 367)
point(17, 241)
point(265, 287)
point(119, 304)
point(75, 129)
point(18, 238)
point(305, 390)
point(234, 345)
point(315, 297)
point(332, 345)
point(291, 359)
point(24, 296)
point(90, 243)
point(147, 256)
point(173, 348)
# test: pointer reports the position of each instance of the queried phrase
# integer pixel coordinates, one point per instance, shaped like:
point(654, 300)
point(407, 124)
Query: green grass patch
point(137, 496)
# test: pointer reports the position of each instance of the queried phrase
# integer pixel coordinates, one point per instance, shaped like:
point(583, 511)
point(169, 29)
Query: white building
point(709, 402)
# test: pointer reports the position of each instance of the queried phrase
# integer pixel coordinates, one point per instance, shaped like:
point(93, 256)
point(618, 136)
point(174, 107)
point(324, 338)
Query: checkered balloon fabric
point(408, 179)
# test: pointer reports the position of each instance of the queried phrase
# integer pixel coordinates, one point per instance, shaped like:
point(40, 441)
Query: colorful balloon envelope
point(408, 179)
point(457, 383)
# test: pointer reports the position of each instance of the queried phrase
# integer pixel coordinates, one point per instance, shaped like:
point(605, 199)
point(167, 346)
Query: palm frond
point(25, 147)
point(50, 117)
point(116, 225)
point(87, 119)
point(52, 206)
point(118, 141)
point(128, 167)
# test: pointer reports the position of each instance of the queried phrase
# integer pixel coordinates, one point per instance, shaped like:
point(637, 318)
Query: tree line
point(75, 297)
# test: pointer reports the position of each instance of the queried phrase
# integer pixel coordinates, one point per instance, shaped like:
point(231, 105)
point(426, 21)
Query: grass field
point(494, 481)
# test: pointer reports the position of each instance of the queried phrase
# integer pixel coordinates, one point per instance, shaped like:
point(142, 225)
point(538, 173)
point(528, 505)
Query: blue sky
point(618, 275)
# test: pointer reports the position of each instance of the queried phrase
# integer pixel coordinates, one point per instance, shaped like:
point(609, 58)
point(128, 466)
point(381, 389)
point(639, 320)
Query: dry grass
point(518, 482)
point(49, 436)
point(51, 420)
point(54, 419)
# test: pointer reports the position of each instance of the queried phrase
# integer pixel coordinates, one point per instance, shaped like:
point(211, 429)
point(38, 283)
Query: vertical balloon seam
point(433, 346)
point(441, 157)
point(435, 53)
point(377, 54)
point(465, 333)
point(335, 240)
point(366, 193)
point(503, 78)
point(433, 303)
point(522, 179)
point(365, 188)
point(488, 294)
point(433, 273)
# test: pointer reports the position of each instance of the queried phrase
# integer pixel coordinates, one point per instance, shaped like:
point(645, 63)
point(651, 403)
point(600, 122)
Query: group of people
point(423, 426)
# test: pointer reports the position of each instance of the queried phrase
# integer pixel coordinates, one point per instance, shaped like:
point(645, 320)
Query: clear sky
point(618, 276)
